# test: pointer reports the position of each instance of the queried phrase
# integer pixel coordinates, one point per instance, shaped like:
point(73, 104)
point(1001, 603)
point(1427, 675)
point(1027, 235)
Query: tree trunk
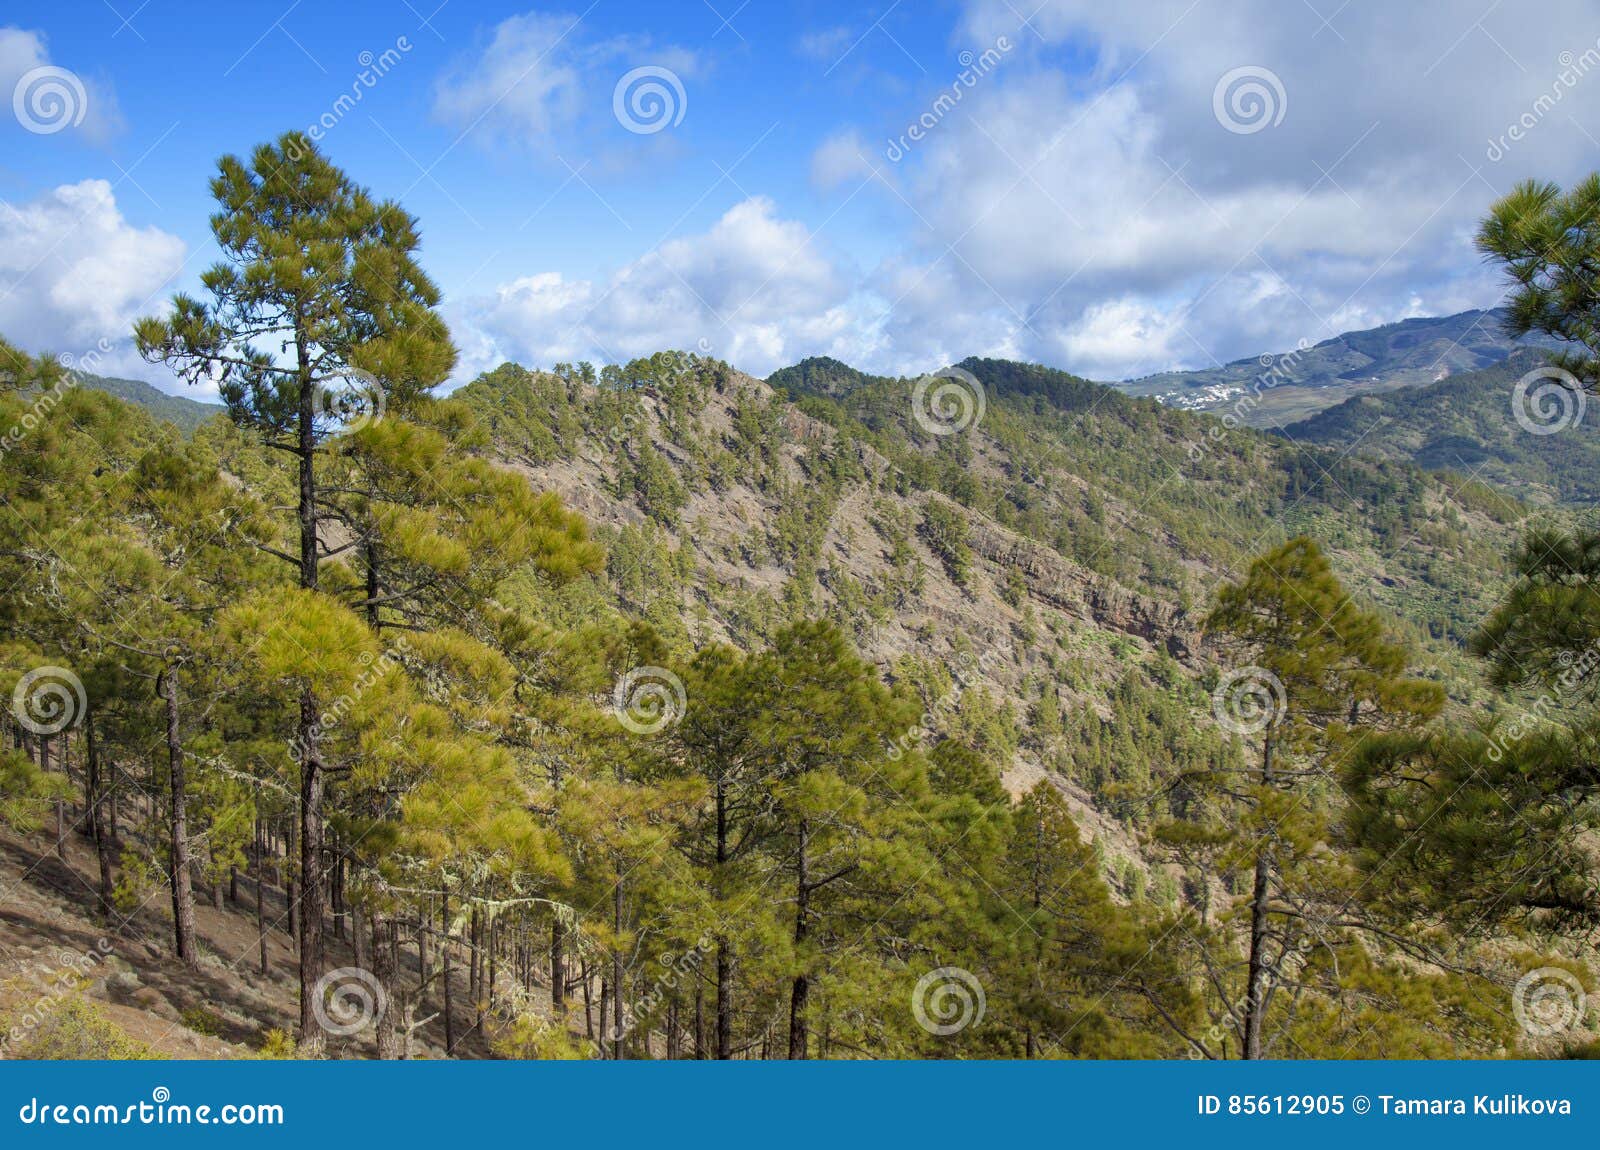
point(699, 1013)
point(424, 966)
point(474, 960)
point(100, 824)
point(182, 888)
point(488, 981)
point(374, 618)
point(724, 948)
point(291, 904)
point(1255, 986)
point(588, 1002)
point(358, 937)
point(558, 968)
point(383, 970)
point(800, 991)
point(313, 879)
point(336, 889)
point(444, 970)
point(616, 972)
point(61, 807)
point(261, 897)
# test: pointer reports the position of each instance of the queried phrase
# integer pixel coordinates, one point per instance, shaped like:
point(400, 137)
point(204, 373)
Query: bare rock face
point(1084, 594)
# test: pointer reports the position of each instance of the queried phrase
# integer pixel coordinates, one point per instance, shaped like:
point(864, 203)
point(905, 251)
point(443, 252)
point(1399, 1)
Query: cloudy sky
point(1114, 189)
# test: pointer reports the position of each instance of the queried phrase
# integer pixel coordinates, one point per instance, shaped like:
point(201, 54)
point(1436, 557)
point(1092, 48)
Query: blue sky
point(1114, 190)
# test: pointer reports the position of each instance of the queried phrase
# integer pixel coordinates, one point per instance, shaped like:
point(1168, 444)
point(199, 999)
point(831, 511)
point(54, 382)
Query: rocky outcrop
point(1082, 593)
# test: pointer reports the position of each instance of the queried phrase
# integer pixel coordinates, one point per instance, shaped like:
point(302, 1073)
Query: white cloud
point(845, 158)
point(826, 45)
point(1084, 206)
point(755, 289)
point(1106, 221)
point(84, 104)
point(74, 274)
point(540, 77)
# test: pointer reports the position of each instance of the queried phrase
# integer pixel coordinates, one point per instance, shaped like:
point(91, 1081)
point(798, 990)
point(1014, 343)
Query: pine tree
point(1548, 241)
point(318, 290)
point(1486, 827)
point(1325, 675)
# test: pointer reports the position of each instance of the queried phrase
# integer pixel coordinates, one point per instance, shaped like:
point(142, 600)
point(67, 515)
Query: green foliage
point(1463, 428)
point(74, 1029)
point(1547, 241)
point(944, 528)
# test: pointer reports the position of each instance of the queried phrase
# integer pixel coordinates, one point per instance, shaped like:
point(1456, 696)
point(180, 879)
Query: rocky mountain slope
point(1470, 424)
point(1294, 383)
point(180, 410)
point(1040, 574)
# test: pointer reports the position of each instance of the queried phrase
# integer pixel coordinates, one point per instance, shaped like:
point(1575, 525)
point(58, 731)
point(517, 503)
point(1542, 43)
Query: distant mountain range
point(1431, 392)
point(1467, 424)
point(186, 413)
point(1295, 384)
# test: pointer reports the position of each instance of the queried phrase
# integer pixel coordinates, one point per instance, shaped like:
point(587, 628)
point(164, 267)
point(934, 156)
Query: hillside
point(1296, 383)
point(1037, 579)
point(187, 414)
point(1466, 424)
point(1068, 542)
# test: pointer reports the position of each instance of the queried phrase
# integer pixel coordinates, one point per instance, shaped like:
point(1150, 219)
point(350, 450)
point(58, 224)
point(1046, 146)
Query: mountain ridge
point(186, 413)
point(1292, 385)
